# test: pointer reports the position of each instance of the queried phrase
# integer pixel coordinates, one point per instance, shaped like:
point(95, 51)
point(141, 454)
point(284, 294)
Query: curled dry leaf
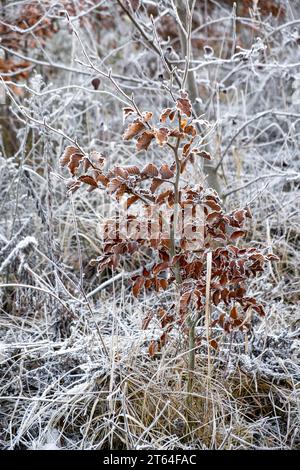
point(216, 297)
point(166, 172)
point(87, 179)
point(213, 205)
point(137, 286)
point(147, 116)
point(202, 153)
point(65, 158)
point(213, 216)
point(234, 313)
point(214, 344)
point(133, 129)
point(97, 158)
point(120, 171)
point(147, 320)
point(163, 196)
point(186, 148)
point(176, 133)
point(237, 234)
point(86, 164)
point(73, 185)
point(184, 106)
point(144, 140)
point(132, 170)
point(101, 178)
point(74, 162)
point(163, 283)
point(127, 111)
point(156, 183)
point(190, 130)
point(161, 135)
point(113, 185)
point(150, 170)
point(160, 267)
point(167, 113)
point(153, 348)
point(184, 301)
point(240, 215)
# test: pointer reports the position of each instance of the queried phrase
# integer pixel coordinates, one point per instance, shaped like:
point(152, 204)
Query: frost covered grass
point(75, 369)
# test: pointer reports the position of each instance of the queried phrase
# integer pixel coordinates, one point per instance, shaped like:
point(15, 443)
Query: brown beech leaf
point(162, 196)
point(87, 179)
point(272, 257)
point(176, 133)
point(97, 159)
point(184, 105)
point(153, 347)
point(86, 164)
point(240, 215)
point(213, 216)
point(127, 111)
point(186, 148)
point(224, 295)
point(119, 171)
point(160, 267)
point(147, 320)
point(161, 135)
point(69, 151)
point(113, 185)
point(248, 213)
point(156, 183)
point(120, 191)
point(144, 140)
point(234, 313)
point(213, 205)
point(216, 297)
point(132, 247)
point(190, 130)
point(74, 162)
point(224, 279)
point(101, 178)
point(132, 170)
point(202, 153)
point(147, 116)
point(133, 129)
point(166, 242)
point(145, 272)
point(214, 344)
point(184, 301)
point(237, 234)
point(165, 172)
point(137, 286)
point(163, 283)
point(150, 170)
point(167, 113)
point(73, 185)
point(259, 309)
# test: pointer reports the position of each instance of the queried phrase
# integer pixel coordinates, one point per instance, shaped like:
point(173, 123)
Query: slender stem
point(192, 338)
point(207, 312)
